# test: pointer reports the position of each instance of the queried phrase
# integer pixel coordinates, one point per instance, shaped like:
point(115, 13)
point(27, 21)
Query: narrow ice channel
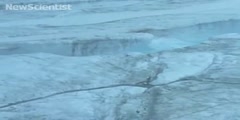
point(165, 39)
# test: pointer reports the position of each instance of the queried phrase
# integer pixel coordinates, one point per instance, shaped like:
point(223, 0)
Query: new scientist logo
point(38, 7)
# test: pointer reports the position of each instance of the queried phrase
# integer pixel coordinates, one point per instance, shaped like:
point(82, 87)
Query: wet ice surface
point(121, 60)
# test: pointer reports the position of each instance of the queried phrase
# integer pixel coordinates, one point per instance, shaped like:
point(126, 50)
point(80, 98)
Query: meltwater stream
point(165, 39)
point(180, 37)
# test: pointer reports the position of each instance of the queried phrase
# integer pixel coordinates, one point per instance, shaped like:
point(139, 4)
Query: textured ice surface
point(121, 60)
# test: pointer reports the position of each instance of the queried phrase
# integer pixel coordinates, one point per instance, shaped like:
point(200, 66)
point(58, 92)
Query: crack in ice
point(70, 91)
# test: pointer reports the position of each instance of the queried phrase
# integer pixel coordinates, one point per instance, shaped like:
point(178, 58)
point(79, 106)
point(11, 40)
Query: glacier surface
point(121, 60)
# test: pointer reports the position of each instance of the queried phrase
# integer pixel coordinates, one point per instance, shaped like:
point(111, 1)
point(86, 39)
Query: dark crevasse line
point(69, 91)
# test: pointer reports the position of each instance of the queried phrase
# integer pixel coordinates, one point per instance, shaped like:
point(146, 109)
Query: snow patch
point(181, 65)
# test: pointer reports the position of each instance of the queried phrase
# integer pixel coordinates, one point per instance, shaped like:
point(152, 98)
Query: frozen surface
point(121, 60)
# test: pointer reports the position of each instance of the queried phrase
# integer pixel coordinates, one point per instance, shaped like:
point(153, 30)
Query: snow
point(84, 19)
point(183, 65)
point(123, 60)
